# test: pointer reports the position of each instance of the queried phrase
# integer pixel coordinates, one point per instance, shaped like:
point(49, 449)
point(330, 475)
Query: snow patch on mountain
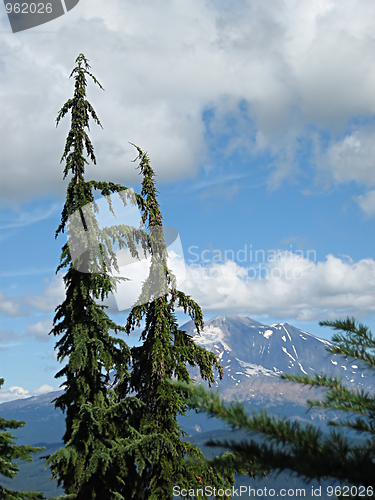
point(253, 369)
point(290, 338)
point(286, 352)
point(267, 334)
point(212, 335)
point(302, 369)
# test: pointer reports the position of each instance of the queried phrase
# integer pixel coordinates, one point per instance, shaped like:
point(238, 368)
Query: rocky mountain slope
point(254, 355)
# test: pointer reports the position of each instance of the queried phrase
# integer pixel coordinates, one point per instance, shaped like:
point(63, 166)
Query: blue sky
point(258, 118)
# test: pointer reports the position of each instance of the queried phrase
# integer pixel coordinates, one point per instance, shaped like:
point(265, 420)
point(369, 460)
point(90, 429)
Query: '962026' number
point(26, 8)
point(353, 491)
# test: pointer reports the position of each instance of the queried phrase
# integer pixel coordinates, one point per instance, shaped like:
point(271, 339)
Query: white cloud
point(10, 306)
point(367, 203)
point(351, 158)
point(14, 392)
point(47, 301)
point(162, 63)
point(52, 296)
point(290, 287)
point(26, 272)
point(17, 392)
point(27, 218)
point(43, 389)
point(283, 285)
point(40, 329)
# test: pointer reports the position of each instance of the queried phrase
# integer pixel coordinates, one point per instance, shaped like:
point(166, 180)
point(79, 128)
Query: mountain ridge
point(253, 356)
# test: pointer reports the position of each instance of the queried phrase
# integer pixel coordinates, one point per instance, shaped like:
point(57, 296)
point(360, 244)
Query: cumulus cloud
point(290, 286)
point(49, 299)
point(351, 158)
point(40, 329)
point(43, 389)
point(367, 203)
point(281, 284)
point(11, 307)
point(16, 392)
point(6, 336)
point(295, 64)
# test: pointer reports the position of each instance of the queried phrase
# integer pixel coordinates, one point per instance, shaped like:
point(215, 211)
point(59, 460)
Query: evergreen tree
point(9, 452)
point(306, 451)
point(165, 353)
point(121, 441)
point(93, 463)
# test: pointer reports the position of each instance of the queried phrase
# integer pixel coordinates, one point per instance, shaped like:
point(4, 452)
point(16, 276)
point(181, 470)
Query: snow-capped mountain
point(254, 355)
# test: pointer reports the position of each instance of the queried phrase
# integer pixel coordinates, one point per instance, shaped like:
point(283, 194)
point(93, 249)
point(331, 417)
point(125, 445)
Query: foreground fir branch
point(305, 450)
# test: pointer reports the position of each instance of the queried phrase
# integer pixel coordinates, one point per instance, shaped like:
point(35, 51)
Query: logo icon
point(24, 15)
point(92, 233)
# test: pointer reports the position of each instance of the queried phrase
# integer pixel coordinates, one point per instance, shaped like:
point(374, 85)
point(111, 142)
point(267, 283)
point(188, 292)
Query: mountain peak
point(247, 348)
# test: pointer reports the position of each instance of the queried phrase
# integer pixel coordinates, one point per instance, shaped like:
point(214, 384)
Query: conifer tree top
point(80, 109)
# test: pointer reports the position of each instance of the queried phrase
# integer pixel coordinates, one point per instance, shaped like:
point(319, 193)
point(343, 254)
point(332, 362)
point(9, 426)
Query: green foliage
point(97, 429)
point(9, 452)
point(305, 450)
point(34, 476)
point(121, 441)
point(165, 353)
